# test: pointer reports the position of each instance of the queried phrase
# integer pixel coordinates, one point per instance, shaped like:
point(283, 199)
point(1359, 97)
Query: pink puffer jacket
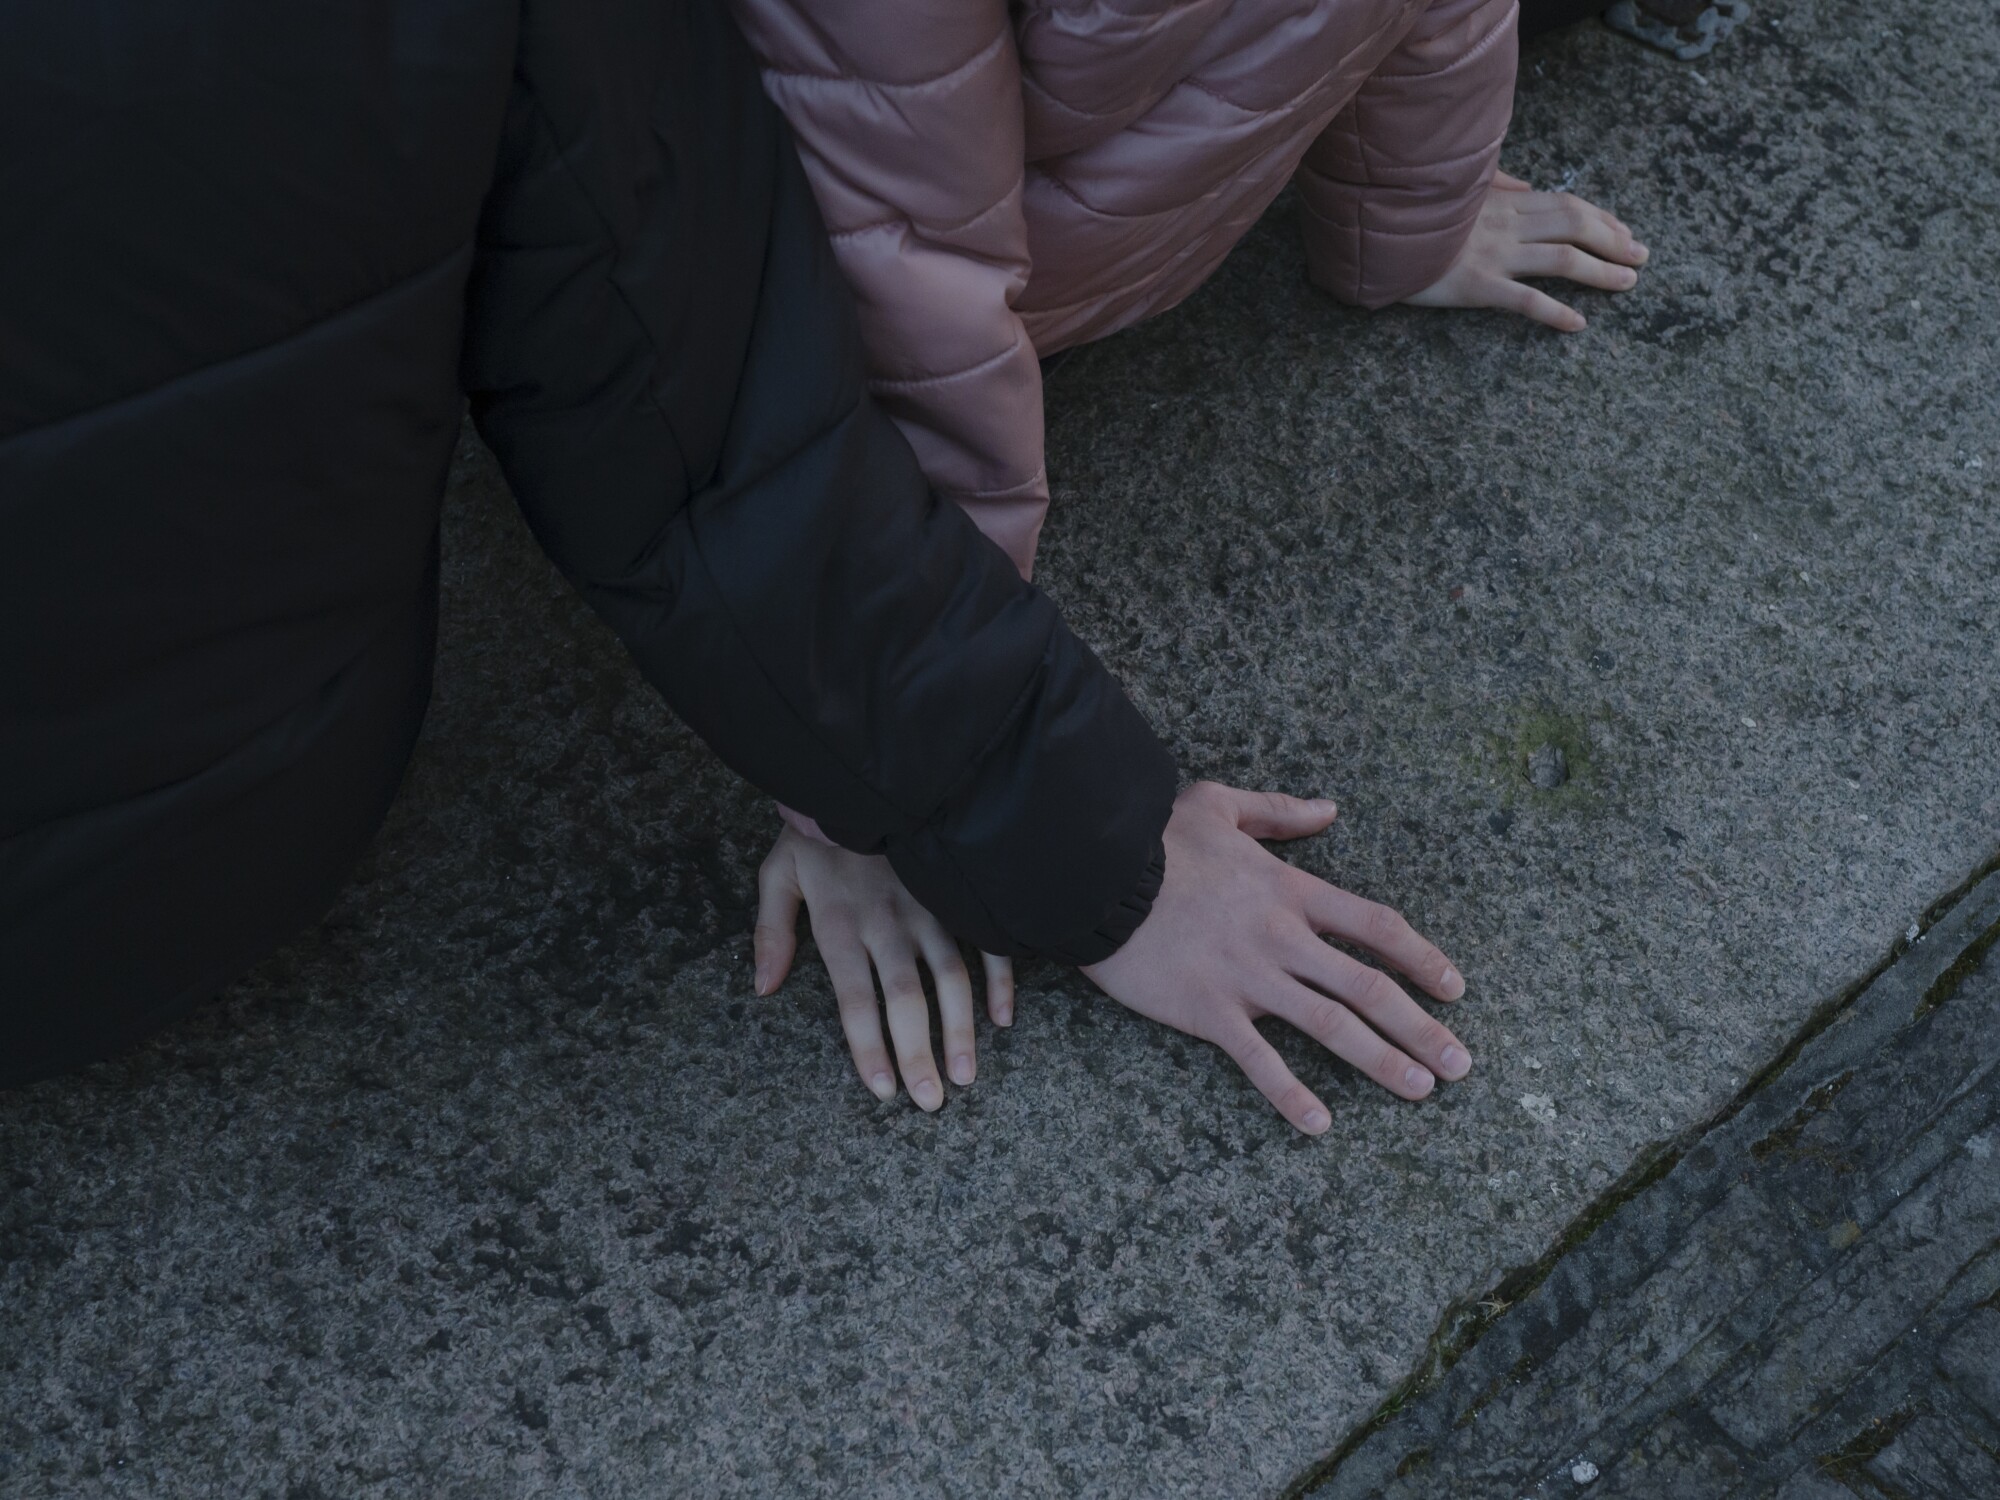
point(1005, 180)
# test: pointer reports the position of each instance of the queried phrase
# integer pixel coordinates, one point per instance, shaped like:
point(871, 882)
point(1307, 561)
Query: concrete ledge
point(1781, 1305)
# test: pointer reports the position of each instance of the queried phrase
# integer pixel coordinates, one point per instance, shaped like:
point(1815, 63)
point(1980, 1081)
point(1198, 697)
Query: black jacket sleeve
point(664, 356)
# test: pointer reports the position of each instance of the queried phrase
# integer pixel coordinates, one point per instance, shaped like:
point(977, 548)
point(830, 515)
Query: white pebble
point(1583, 1471)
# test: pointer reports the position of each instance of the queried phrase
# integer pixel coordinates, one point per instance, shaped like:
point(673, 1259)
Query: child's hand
point(1525, 233)
point(861, 915)
point(1234, 935)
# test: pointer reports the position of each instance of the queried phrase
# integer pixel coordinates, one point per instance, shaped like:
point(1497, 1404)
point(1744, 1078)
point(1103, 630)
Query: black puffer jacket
point(252, 256)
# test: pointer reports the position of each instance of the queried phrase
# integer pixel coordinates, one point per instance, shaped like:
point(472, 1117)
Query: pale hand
point(1235, 935)
point(1525, 233)
point(867, 926)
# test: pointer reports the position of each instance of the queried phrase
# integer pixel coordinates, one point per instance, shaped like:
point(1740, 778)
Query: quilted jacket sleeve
point(664, 357)
point(908, 118)
point(1393, 186)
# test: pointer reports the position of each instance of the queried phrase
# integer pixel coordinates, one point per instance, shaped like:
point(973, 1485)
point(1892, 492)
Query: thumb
point(1273, 815)
point(775, 940)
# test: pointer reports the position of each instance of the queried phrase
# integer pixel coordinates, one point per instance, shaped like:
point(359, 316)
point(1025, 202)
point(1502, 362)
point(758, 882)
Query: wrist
point(800, 823)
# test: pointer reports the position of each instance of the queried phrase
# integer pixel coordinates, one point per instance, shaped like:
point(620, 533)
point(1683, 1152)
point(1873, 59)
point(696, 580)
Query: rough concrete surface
point(502, 1182)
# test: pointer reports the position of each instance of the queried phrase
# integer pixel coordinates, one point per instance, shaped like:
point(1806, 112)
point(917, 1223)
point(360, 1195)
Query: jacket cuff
point(1372, 268)
point(1123, 919)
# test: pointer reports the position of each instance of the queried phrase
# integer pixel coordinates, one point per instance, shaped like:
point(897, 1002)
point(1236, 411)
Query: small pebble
point(1583, 1471)
point(1548, 767)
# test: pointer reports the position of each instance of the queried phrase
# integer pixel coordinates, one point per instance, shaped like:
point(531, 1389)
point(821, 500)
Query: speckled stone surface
point(503, 1183)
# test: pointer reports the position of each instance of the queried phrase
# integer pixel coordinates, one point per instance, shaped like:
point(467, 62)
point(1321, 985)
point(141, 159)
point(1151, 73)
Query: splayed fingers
point(1235, 935)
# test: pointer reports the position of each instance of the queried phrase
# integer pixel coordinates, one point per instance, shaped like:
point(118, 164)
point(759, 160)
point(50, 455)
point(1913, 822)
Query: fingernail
point(1457, 1062)
point(1631, 277)
point(1641, 251)
point(927, 1094)
point(1325, 807)
point(884, 1086)
point(961, 1069)
point(1005, 1015)
point(1453, 984)
point(1415, 1079)
point(1316, 1121)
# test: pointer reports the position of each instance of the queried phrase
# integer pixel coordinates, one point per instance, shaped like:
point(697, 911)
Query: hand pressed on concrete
point(1235, 934)
point(1525, 233)
point(869, 928)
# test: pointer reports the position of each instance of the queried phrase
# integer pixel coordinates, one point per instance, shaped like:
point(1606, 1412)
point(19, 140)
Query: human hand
point(861, 917)
point(1525, 233)
point(1234, 935)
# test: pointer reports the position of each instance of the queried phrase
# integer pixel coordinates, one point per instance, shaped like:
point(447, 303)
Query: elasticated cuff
point(1119, 923)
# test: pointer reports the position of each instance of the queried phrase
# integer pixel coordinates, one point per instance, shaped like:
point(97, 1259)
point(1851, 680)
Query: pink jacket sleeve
point(908, 117)
point(1393, 186)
